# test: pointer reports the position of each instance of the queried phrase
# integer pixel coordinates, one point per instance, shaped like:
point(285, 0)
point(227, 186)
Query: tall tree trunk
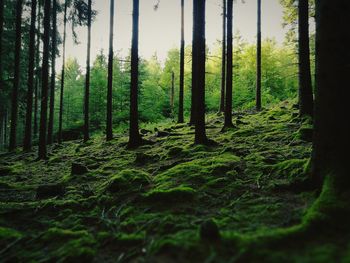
point(228, 99)
point(45, 81)
point(38, 74)
point(182, 65)
point(306, 105)
point(27, 143)
point(172, 93)
point(14, 106)
point(109, 126)
point(53, 73)
point(1, 35)
point(134, 135)
point(87, 79)
point(223, 58)
point(331, 136)
point(60, 117)
point(258, 60)
point(198, 70)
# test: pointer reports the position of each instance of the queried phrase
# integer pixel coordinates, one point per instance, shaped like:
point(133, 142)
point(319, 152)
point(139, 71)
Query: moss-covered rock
point(128, 180)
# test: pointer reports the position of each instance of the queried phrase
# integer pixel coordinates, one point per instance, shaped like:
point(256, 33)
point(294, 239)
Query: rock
point(209, 231)
point(49, 191)
point(79, 169)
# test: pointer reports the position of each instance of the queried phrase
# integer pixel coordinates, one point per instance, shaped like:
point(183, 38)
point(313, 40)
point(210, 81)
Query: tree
point(198, 70)
point(14, 104)
point(27, 143)
point(331, 135)
point(60, 117)
point(258, 60)
point(223, 58)
point(182, 65)
point(109, 128)
point(306, 106)
point(228, 99)
point(87, 78)
point(1, 35)
point(135, 139)
point(53, 73)
point(38, 73)
point(45, 81)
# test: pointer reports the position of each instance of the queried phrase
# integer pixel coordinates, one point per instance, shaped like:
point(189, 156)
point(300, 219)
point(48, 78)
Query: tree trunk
point(109, 126)
point(60, 117)
point(38, 74)
point(182, 65)
point(14, 107)
point(331, 137)
point(45, 81)
point(198, 70)
point(172, 92)
point(87, 79)
point(223, 58)
point(258, 61)
point(134, 135)
point(27, 143)
point(228, 99)
point(53, 73)
point(1, 35)
point(306, 106)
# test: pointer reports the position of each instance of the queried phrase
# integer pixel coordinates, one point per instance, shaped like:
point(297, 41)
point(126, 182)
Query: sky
point(160, 30)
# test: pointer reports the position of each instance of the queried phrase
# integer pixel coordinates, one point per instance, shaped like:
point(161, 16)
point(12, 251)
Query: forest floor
point(100, 202)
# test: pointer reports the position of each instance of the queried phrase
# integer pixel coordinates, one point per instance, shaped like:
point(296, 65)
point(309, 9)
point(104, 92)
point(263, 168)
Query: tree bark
point(198, 70)
point(258, 60)
point(223, 58)
point(172, 93)
point(306, 106)
point(53, 73)
point(87, 79)
point(331, 137)
point(38, 74)
point(1, 36)
point(14, 107)
point(228, 99)
point(27, 143)
point(60, 117)
point(134, 135)
point(182, 65)
point(109, 126)
point(45, 81)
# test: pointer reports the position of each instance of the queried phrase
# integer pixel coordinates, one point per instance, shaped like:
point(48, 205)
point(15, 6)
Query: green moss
point(127, 180)
point(174, 195)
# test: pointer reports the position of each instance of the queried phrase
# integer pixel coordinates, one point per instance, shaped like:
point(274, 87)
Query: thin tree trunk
point(134, 135)
point(109, 128)
point(38, 74)
point(228, 104)
point(258, 61)
point(14, 107)
point(1, 36)
point(223, 58)
point(331, 137)
point(53, 73)
point(172, 92)
point(182, 65)
point(198, 70)
point(87, 79)
point(27, 143)
point(306, 104)
point(60, 117)
point(45, 82)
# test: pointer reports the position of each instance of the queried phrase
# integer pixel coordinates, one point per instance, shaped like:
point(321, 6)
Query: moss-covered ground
point(100, 202)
